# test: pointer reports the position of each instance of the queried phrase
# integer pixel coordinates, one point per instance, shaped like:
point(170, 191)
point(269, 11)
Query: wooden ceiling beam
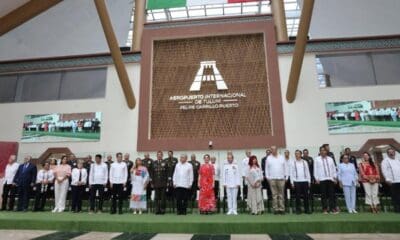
point(278, 12)
point(138, 24)
point(115, 52)
point(24, 13)
point(299, 49)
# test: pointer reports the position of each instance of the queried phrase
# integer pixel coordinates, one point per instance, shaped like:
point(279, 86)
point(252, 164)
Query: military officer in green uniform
point(148, 163)
point(159, 181)
point(196, 167)
point(172, 161)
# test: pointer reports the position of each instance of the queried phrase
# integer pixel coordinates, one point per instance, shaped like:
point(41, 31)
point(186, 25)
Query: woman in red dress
point(206, 185)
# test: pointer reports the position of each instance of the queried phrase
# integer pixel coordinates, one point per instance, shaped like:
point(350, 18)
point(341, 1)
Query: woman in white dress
point(254, 178)
point(139, 181)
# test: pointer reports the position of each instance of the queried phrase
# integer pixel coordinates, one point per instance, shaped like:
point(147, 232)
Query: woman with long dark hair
point(370, 178)
point(254, 178)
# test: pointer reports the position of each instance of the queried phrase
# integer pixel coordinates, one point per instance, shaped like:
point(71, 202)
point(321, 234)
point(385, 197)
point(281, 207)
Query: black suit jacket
point(25, 174)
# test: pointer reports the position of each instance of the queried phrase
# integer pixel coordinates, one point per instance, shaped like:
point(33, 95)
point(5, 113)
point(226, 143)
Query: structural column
point(115, 52)
point(299, 49)
point(138, 24)
point(278, 11)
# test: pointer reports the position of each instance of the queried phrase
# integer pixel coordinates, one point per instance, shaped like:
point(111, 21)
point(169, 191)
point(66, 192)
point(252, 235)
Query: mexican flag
point(160, 4)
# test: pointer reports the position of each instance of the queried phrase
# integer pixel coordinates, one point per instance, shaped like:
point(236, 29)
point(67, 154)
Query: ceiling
point(7, 6)
point(354, 18)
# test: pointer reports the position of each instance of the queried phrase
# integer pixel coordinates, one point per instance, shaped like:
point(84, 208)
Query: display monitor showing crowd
point(58, 127)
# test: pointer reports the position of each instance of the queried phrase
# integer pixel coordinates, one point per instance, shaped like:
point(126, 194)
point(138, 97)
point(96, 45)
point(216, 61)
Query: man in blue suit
point(24, 179)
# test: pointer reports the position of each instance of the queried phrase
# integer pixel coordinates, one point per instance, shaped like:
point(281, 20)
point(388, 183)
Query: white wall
point(119, 126)
point(352, 18)
point(71, 27)
point(305, 121)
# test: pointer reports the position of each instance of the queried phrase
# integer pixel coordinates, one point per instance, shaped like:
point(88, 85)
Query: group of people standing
point(323, 171)
point(186, 181)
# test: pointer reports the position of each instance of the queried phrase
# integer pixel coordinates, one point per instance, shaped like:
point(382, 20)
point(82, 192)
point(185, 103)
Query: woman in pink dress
point(206, 185)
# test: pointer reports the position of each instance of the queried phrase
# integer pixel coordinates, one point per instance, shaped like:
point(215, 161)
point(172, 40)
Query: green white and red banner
point(161, 4)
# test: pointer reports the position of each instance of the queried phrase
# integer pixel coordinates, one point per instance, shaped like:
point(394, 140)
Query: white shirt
point(217, 171)
point(118, 173)
point(289, 162)
point(391, 170)
point(87, 124)
point(98, 174)
point(275, 168)
point(11, 170)
point(75, 176)
point(324, 169)
point(183, 175)
point(299, 171)
point(231, 175)
point(44, 175)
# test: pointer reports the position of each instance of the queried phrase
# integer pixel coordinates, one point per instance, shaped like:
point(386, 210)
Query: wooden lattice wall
point(242, 62)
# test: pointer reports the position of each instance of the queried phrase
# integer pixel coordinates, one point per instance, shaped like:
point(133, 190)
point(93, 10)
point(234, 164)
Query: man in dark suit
point(129, 165)
point(24, 179)
point(72, 161)
point(196, 167)
point(264, 183)
point(171, 161)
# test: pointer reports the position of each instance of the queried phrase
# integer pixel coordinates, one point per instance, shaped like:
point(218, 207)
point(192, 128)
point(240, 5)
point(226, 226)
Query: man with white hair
point(183, 180)
point(9, 186)
point(25, 178)
point(231, 182)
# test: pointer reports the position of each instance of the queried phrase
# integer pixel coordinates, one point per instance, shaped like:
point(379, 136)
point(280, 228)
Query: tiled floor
point(32, 234)
point(361, 236)
point(22, 234)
